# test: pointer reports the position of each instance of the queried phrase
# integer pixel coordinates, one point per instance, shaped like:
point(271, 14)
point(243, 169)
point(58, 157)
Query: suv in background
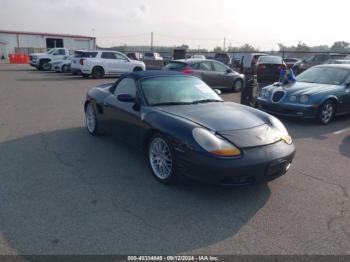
point(314, 60)
point(152, 56)
point(75, 66)
point(223, 58)
point(103, 63)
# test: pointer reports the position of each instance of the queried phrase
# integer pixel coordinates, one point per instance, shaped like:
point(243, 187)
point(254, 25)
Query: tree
point(217, 49)
point(340, 46)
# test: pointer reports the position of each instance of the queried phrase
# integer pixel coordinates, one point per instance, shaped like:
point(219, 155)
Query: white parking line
point(341, 131)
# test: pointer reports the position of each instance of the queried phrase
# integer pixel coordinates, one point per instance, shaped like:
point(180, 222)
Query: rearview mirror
point(218, 91)
point(126, 98)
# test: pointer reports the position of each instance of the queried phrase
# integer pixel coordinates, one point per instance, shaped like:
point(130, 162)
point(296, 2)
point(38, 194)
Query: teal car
point(319, 93)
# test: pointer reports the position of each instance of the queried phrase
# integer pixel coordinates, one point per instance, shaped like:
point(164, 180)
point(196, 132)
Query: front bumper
point(257, 165)
point(289, 110)
point(34, 63)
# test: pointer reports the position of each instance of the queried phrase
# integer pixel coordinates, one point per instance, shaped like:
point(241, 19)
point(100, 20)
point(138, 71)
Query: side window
point(119, 56)
point(320, 58)
point(195, 66)
point(205, 66)
point(219, 67)
point(61, 52)
point(108, 55)
point(126, 86)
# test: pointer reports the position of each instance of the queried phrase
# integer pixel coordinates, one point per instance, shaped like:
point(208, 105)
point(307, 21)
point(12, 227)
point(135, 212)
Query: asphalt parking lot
point(63, 191)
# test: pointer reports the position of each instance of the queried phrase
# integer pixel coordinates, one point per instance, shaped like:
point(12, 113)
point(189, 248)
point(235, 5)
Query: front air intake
point(277, 96)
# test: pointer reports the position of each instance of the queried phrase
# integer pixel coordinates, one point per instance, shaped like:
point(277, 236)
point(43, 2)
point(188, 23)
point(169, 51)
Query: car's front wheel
point(326, 113)
point(161, 159)
point(64, 69)
point(237, 85)
point(91, 120)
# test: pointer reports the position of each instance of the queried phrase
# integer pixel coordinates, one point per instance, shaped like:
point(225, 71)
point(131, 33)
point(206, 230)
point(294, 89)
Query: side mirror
point(127, 98)
point(347, 85)
point(217, 91)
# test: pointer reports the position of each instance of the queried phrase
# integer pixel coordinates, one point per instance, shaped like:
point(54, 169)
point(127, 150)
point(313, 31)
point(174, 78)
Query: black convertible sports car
point(186, 128)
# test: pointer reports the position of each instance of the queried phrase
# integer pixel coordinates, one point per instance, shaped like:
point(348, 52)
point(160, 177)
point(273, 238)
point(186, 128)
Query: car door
point(59, 54)
point(204, 71)
point(223, 78)
point(110, 62)
point(345, 97)
point(123, 63)
point(122, 119)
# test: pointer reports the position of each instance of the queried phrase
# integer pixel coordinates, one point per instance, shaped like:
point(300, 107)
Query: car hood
point(243, 126)
point(303, 88)
point(38, 54)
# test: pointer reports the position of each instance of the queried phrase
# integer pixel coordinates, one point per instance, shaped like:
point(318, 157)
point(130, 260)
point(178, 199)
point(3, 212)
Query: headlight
point(283, 131)
point(292, 98)
point(304, 99)
point(214, 144)
point(264, 93)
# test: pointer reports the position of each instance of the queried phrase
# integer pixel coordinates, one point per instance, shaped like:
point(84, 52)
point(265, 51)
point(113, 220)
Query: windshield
point(169, 90)
point(51, 51)
point(324, 75)
point(270, 60)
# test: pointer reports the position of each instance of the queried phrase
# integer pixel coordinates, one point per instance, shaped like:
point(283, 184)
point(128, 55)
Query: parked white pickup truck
point(41, 60)
point(103, 63)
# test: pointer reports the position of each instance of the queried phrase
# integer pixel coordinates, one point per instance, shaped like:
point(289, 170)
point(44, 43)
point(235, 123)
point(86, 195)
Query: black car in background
point(213, 73)
point(290, 62)
point(314, 60)
point(223, 58)
point(268, 69)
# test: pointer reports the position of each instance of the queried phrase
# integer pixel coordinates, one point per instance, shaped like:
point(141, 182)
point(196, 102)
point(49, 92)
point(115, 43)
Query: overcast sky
point(193, 22)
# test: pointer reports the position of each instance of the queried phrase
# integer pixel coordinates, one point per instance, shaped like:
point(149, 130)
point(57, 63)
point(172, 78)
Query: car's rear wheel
point(97, 73)
point(326, 113)
point(161, 159)
point(238, 85)
point(91, 120)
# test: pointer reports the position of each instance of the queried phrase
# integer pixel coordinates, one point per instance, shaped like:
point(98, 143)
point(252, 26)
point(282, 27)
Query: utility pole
point(224, 44)
point(151, 41)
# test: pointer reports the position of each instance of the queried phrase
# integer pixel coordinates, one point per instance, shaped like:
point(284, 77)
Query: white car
point(62, 66)
point(101, 63)
point(198, 57)
point(41, 60)
point(152, 56)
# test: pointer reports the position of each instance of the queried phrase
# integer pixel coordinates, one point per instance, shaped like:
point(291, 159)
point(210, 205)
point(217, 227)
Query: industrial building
point(29, 42)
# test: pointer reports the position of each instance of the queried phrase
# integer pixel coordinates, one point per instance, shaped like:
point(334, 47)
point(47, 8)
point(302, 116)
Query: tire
point(44, 65)
point(85, 75)
point(97, 73)
point(64, 69)
point(238, 85)
point(326, 113)
point(161, 159)
point(137, 69)
point(91, 121)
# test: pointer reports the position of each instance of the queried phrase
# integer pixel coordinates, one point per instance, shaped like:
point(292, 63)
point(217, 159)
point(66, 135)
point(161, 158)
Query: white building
point(27, 42)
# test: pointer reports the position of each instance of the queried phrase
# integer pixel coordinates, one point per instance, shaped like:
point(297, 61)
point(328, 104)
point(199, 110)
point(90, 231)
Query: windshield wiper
point(171, 103)
point(206, 101)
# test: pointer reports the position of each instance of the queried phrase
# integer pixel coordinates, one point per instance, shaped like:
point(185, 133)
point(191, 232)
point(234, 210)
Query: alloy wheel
point(160, 158)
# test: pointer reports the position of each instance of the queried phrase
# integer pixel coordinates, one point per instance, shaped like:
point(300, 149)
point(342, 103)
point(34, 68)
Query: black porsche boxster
point(187, 129)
